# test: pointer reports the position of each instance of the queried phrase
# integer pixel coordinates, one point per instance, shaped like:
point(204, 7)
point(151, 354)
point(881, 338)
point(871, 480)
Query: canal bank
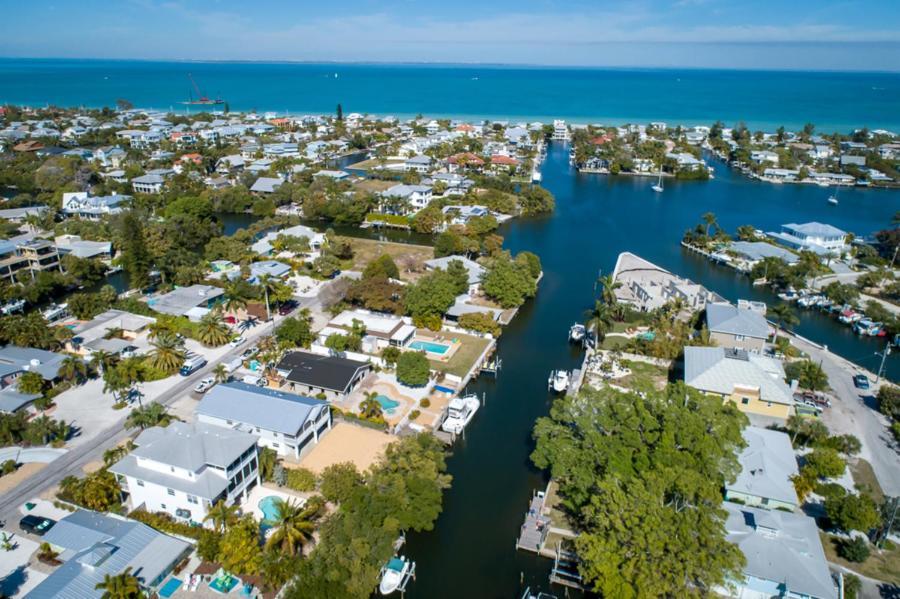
point(472, 552)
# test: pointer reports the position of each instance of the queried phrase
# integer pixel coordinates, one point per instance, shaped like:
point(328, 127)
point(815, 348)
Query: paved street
point(91, 450)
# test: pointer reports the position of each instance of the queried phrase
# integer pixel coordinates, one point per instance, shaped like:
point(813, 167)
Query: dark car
point(861, 381)
point(286, 308)
point(36, 525)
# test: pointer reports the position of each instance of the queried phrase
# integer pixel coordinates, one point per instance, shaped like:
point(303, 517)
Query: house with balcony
point(150, 183)
point(285, 422)
point(83, 205)
point(816, 237)
point(184, 469)
point(382, 330)
point(404, 199)
point(40, 254)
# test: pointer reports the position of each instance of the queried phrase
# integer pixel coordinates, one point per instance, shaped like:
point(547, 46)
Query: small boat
point(55, 312)
point(850, 316)
point(558, 381)
point(460, 413)
point(865, 326)
point(396, 574)
point(577, 332)
point(788, 296)
point(659, 186)
point(833, 200)
point(529, 594)
point(12, 306)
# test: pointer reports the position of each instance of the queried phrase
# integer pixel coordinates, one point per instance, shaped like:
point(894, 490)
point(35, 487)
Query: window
point(276, 445)
point(739, 337)
point(192, 499)
point(745, 400)
point(140, 483)
point(171, 492)
point(163, 506)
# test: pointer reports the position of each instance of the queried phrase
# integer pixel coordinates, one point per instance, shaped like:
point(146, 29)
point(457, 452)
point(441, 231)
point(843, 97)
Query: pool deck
point(445, 339)
point(251, 505)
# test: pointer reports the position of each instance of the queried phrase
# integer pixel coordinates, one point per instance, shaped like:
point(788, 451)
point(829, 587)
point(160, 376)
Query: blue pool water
point(430, 347)
point(387, 404)
point(269, 508)
point(168, 589)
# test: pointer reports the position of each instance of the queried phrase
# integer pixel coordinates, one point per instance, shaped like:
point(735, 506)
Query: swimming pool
point(430, 346)
point(168, 589)
point(269, 508)
point(387, 404)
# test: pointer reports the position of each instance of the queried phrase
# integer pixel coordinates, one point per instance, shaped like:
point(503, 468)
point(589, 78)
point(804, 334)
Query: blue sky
point(784, 34)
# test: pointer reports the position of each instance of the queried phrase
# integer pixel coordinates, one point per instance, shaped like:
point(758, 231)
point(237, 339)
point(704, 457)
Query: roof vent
point(34, 362)
point(737, 354)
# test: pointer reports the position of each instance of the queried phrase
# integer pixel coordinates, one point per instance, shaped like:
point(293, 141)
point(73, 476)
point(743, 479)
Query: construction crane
point(201, 99)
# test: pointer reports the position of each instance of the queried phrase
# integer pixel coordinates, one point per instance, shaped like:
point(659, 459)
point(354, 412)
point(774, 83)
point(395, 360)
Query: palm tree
point(153, 414)
point(294, 524)
point(710, 219)
point(370, 406)
point(220, 373)
point(784, 315)
point(114, 454)
point(167, 354)
point(121, 586)
point(600, 321)
point(159, 328)
point(235, 297)
point(212, 330)
point(222, 516)
point(101, 360)
point(608, 286)
point(30, 383)
point(72, 368)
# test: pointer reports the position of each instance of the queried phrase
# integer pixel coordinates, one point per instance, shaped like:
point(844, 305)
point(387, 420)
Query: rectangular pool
point(430, 346)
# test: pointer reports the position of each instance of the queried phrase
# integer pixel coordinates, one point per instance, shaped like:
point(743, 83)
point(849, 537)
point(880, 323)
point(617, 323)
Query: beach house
point(314, 375)
point(768, 466)
point(736, 327)
point(816, 237)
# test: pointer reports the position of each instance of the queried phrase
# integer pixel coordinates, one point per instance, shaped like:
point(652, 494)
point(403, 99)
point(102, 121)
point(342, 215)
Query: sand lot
point(347, 443)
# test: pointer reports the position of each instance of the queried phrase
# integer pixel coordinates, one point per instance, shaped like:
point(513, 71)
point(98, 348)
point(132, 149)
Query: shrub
point(9, 466)
point(854, 550)
point(300, 479)
point(425, 403)
point(413, 369)
point(166, 523)
point(414, 414)
point(824, 462)
point(480, 322)
point(852, 586)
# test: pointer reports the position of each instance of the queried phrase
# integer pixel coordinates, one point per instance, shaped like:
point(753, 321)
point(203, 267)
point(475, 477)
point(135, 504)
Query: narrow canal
point(471, 551)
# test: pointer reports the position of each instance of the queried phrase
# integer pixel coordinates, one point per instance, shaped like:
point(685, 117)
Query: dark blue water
point(471, 552)
point(764, 99)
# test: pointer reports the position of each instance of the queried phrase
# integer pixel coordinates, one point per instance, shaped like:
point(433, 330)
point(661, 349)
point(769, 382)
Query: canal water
point(471, 551)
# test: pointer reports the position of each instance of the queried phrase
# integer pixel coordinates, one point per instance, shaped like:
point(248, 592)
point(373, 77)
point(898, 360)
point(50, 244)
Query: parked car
point(259, 381)
point(205, 385)
point(861, 381)
point(230, 319)
point(36, 525)
point(249, 353)
point(237, 341)
point(287, 307)
point(192, 364)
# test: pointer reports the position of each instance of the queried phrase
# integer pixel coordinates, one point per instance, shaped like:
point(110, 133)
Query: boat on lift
point(558, 381)
point(395, 575)
point(577, 332)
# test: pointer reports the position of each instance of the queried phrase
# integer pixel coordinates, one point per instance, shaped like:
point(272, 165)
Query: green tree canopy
point(413, 368)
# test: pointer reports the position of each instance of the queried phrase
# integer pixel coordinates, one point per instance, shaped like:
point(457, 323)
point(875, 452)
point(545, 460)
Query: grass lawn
point(882, 564)
point(641, 371)
point(614, 342)
point(465, 356)
point(865, 479)
point(373, 185)
point(366, 250)
point(370, 163)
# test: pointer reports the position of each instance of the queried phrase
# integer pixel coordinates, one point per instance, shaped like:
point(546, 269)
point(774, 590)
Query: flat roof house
point(814, 236)
point(312, 374)
point(784, 554)
point(94, 545)
point(733, 326)
point(285, 422)
point(184, 469)
point(754, 383)
point(767, 467)
point(192, 301)
point(382, 330)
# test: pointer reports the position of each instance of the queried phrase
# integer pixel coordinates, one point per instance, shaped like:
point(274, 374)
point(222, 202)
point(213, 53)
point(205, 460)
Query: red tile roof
point(468, 158)
point(504, 160)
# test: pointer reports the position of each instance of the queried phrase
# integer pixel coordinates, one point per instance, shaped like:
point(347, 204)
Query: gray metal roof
point(725, 318)
point(179, 301)
point(712, 369)
point(266, 409)
point(475, 270)
point(757, 250)
point(815, 229)
point(11, 399)
point(266, 184)
point(192, 446)
point(207, 484)
point(45, 363)
point(767, 465)
point(781, 547)
point(95, 545)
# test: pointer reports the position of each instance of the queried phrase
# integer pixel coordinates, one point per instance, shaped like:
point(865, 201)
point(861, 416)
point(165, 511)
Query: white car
point(236, 342)
point(205, 385)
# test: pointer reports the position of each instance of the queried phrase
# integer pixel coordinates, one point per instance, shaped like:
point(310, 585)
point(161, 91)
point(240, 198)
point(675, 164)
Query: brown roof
point(501, 159)
point(28, 146)
point(467, 157)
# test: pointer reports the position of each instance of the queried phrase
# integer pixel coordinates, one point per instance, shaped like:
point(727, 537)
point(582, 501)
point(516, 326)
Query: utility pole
point(884, 355)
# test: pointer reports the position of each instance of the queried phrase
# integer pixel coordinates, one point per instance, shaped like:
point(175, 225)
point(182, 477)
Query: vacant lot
point(410, 259)
point(883, 564)
point(347, 443)
point(373, 185)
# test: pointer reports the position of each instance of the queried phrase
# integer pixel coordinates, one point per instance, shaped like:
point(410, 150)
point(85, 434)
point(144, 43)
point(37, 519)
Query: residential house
point(460, 214)
point(149, 183)
point(646, 286)
point(768, 465)
point(39, 254)
point(753, 252)
point(272, 269)
point(333, 175)
point(94, 546)
point(382, 330)
point(90, 336)
point(82, 248)
point(89, 207)
point(193, 301)
point(404, 199)
point(285, 422)
point(475, 270)
point(230, 165)
point(264, 246)
point(813, 236)
point(735, 327)
point(418, 164)
point(266, 185)
point(754, 383)
point(331, 377)
point(784, 555)
point(184, 469)
point(15, 361)
point(500, 162)
point(686, 161)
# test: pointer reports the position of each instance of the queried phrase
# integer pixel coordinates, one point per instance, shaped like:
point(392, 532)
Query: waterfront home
point(382, 330)
point(193, 301)
point(184, 469)
point(502, 163)
point(93, 546)
point(284, 422)
point(18, 258)
point(768, 465)
point(752, 252)
point(456, 184)
point(816, 237)
point(461, 214)
point(39, 255)
point(92, 207)
point(560, 130)
point(266, 185)
point(853, 160)
point(18, 215)
point(329, 377)
point(418, 164)
point(760, 156)
point(264, 246)
point(784, 555)
point(889, 151)
point(753, 382)
point(403, 199)
point(82, 248)
point(737, 327)
point(646, 286)
point(465, 161)
point(781, 175)
point(127, 327)
point(475, 270)
point(150, 183)
point(333, 175)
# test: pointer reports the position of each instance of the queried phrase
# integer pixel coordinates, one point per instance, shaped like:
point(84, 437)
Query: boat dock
point(536, 527)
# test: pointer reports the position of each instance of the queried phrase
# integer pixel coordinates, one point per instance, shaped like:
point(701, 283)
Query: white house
point(418, 164)
point(285, 422)
point(813, 236)
point(150, 183)
point(382, 330)
point(475, 270)
point(80, 204)
point(184, 469)
point(402, 198)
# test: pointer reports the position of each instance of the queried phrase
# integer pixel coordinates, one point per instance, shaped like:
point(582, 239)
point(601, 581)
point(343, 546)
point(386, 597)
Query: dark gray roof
point(725, 318)
point(95, 545)
point(11, 399)
point(266, 409)
point(325, 372)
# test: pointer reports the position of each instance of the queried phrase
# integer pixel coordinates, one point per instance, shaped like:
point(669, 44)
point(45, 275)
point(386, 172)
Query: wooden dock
point(536, 527)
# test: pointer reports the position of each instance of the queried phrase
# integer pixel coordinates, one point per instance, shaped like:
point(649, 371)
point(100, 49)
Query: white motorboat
point(558, 381)
point(396, 574)
point(55, 312)
point(459, 413)
point(833, 200)
point(12, 306)
point(577, 332)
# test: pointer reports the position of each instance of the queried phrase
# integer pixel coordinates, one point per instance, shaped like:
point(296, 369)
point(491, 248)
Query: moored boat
point(460, 413)
point(558, 381)
point(577, 332)
point(396, 574)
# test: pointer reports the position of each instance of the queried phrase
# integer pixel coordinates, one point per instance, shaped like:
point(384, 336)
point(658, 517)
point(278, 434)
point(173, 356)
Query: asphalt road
point(75, 460)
